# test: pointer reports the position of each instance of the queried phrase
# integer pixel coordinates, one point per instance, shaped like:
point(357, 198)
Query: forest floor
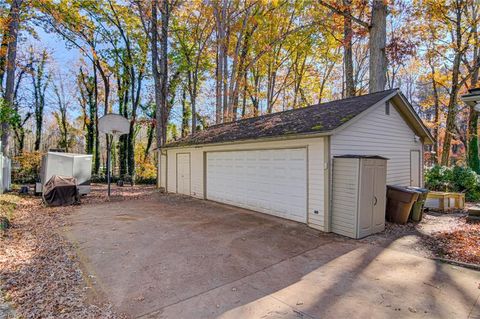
point(40, 273)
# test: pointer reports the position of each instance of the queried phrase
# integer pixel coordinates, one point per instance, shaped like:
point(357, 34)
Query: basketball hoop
point(113, 125)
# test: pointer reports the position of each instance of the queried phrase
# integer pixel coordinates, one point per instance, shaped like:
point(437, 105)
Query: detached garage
point(280, 164)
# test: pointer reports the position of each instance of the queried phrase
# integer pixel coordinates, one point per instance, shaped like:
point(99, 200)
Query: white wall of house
point(317, 156)
point(378, 133)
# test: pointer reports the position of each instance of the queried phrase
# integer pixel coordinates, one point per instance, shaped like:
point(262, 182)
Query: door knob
point(375, 200)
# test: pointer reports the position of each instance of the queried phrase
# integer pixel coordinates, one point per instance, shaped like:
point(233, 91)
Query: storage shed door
point(268, 181)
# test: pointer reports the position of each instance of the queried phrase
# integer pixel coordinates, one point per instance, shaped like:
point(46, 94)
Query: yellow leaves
point(145, 168)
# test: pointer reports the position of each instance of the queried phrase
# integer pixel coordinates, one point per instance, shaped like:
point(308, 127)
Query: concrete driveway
point(176, 257)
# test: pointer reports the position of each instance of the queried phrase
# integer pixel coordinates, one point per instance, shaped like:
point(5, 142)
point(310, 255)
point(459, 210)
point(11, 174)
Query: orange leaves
point(462, 244)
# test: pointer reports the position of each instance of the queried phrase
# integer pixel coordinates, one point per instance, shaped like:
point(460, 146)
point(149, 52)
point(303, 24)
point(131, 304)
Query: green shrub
point(454, 179)
point(8, 204)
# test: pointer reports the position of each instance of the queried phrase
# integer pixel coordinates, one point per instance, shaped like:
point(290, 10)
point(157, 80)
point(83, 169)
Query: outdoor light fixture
point(472, 98)
point(477, 107)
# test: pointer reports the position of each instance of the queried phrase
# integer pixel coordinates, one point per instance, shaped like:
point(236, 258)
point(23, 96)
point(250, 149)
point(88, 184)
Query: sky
point(65, 58)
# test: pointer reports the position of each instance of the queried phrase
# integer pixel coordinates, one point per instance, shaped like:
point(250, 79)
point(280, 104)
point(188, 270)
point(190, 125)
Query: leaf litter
point(40, 274)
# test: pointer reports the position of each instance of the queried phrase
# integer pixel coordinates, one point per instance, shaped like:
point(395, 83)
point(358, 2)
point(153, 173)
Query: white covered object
point(68, 164)
point(5, 173)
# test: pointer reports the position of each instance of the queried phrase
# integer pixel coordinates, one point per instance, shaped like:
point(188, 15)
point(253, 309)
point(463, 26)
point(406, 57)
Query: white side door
point(183, 174)
point(415, 168)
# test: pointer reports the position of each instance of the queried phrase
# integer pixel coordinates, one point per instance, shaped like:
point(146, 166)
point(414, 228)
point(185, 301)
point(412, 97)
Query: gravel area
point(439, 235)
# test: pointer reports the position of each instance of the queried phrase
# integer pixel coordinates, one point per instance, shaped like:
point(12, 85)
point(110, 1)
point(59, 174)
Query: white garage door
point(269, 181)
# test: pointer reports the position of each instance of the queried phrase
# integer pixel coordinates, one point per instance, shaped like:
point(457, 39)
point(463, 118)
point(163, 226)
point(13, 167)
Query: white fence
point(5, 173)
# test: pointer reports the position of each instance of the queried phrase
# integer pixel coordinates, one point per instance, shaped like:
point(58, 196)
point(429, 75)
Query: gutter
point(257, 140)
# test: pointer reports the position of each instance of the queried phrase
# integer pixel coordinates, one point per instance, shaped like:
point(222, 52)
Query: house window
point(387, 108)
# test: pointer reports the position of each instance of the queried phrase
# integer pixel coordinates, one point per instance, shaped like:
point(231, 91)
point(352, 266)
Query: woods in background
point(174, 67)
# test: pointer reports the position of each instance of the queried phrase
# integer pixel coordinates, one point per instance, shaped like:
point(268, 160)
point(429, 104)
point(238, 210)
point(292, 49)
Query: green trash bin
point(416, 213)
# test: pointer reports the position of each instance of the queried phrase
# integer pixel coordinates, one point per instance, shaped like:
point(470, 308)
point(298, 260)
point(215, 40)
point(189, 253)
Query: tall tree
point(348, 50)
point(377, 44)
point(40, 81)
point(377, 40)
point(473, 159)
point(191, 32)
point(61, 115)
point(9, 64)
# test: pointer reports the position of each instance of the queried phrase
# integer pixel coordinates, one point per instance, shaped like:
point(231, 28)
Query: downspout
point(327, 185)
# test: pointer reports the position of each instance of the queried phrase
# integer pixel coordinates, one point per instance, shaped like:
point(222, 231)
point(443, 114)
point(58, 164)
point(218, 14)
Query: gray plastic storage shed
point(359, 195)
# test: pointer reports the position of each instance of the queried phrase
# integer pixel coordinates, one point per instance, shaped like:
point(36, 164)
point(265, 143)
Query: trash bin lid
point(405, 189)
point(418, 189)
point(402, 194)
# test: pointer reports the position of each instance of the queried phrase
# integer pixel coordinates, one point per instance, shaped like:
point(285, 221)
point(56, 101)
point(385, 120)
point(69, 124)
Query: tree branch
point(345, 14)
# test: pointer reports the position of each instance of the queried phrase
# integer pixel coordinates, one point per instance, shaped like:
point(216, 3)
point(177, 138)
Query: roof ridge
point(298, 108)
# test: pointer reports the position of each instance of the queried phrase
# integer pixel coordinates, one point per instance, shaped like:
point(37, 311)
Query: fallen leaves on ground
point(461, 243)
point(446, 235)
point(39, 270)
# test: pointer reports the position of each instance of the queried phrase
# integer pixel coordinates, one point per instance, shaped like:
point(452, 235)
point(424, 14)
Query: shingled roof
point(319, 118)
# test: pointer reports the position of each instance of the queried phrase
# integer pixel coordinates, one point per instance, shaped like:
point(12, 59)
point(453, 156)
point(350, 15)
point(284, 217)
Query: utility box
point(78, 166)
point(358, 195)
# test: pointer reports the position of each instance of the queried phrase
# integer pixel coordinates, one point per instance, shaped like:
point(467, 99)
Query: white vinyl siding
point(316, 159)
point(377, 133)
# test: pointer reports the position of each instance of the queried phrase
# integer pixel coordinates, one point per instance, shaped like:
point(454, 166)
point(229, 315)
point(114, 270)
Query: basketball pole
point(112, 125)
point(108, 162)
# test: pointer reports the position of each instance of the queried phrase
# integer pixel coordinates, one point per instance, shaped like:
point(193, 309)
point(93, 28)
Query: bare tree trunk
point(40, 83)
point(219, 64)
point(377, 44)
point(150, 135)
point(165, 13)
point(156, 75)
point(192, 78)
point(96, 156)
point(436, 108)
point(185, 114)
point(3, 56)
point(10, 67)
point(452, 102)
point(226, 40)
point(347, 50)
point(473, 159)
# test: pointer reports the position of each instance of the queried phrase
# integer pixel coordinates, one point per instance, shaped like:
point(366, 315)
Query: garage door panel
point(270, 181)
